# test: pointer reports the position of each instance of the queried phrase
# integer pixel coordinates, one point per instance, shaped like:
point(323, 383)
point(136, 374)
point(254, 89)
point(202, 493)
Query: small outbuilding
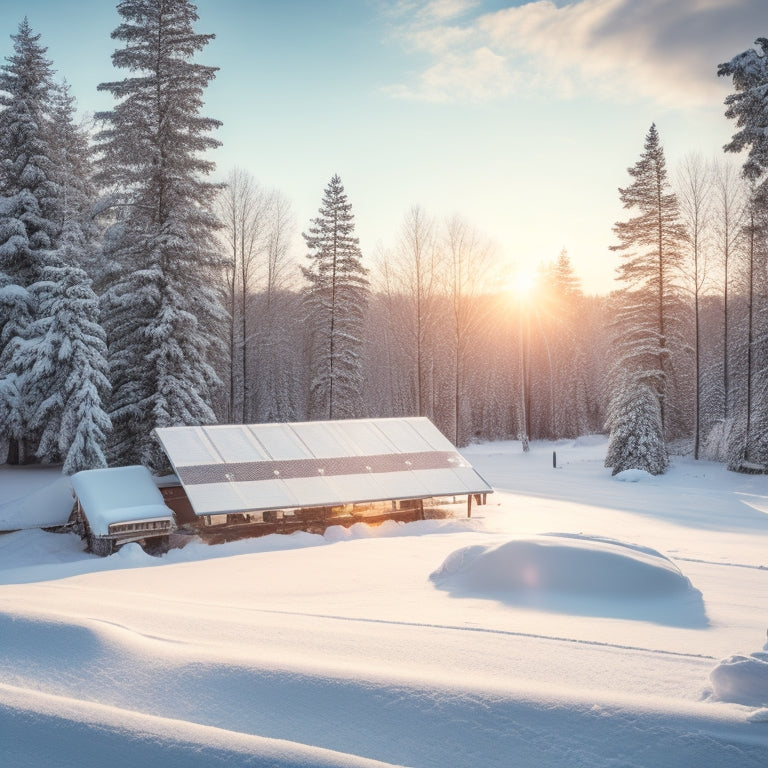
point(119, 505)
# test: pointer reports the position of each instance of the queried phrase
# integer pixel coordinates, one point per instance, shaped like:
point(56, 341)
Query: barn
point(236, 480)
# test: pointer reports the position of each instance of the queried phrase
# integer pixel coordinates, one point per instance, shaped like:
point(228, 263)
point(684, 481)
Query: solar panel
point(257, 467)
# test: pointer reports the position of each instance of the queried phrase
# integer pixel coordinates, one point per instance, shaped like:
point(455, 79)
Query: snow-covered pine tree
point(749, 73)
point(634, 421)
point(64, 352)
point(335, 300)
point(29, 218)
point(646, 337)
point(26, 165)
point(162, 310)
point(16, 312)
point(65, 357)
point(74, 172)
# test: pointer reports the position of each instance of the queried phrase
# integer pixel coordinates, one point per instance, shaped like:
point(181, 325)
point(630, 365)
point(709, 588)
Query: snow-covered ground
point(576, 620)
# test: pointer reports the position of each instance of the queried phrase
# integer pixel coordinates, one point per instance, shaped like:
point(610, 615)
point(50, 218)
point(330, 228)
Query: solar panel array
point(257, 467)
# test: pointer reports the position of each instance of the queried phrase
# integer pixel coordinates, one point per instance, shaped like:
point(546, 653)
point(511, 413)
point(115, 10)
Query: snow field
point(340, 648)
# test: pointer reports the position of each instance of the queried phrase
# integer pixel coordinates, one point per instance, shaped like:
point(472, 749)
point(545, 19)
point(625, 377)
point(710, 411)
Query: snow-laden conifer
point(74, 173)
point(749, 73)
point(26, 166)
point(29, 216)
point(161, 310)
point(634, 422)
point(65, 356)
point(335, 300)
point(16, 311)
point(747, 106)
point(650, 244)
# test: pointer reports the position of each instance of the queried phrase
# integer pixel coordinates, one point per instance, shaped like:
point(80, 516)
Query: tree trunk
point(14, 454)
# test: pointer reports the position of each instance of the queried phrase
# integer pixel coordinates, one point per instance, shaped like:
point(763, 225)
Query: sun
point(522, 283)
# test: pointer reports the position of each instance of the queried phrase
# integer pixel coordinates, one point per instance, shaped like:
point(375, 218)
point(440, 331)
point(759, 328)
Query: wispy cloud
point(663, 50)
point(449, 9)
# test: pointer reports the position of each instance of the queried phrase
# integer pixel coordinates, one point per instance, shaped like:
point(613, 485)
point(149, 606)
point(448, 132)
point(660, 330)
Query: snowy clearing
point(573, 621)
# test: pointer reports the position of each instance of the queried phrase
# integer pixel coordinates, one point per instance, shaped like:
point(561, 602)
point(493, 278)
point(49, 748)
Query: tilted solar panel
point(257, 467)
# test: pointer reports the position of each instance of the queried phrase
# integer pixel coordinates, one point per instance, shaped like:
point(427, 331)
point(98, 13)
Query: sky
point(521, 117)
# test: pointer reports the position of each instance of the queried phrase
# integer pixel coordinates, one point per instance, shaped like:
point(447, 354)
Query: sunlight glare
point(522, 283)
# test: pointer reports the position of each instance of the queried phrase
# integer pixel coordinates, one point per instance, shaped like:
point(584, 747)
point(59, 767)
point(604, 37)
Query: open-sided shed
point(261, 468)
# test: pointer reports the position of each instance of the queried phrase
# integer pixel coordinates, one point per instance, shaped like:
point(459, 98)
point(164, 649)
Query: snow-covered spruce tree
point(162, 309)
point(747, 106)
point(634, 421)
point(16, 312)
point(26, 165)
point(29, 205)
point(74, 173)
point(65, 353)
point(648, 338)
point(335, 300)
point(66, 358)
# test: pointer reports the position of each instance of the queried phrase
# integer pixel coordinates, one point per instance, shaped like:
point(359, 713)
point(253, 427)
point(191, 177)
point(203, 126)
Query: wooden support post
point(469, 505)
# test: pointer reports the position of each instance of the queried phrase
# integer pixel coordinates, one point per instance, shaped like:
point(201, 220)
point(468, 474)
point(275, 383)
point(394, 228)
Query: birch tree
point(694, 186)
point(468, 257)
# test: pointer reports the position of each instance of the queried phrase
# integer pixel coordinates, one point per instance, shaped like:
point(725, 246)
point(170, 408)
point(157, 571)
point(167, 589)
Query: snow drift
point(338, 650)
point(742, 679)
point(550, 567)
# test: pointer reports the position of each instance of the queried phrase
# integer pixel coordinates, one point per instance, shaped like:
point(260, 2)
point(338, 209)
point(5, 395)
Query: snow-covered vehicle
point(119, 505)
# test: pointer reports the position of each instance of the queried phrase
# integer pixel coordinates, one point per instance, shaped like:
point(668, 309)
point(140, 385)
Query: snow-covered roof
point(238, 468)
point(118, 495)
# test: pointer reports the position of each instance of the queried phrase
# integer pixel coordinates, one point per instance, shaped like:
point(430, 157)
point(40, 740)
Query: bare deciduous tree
point(694, 190)
point(468, 257)
point(257, 228)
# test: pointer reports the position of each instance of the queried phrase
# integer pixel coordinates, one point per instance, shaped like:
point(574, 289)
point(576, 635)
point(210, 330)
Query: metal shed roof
point(255, 467)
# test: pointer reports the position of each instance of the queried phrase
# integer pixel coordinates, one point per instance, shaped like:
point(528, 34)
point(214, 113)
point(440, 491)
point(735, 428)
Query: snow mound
point(37, 547)
point(562, 564)
point(743, 680)
point(133, 556)
point(633, 476)
point(34, 497)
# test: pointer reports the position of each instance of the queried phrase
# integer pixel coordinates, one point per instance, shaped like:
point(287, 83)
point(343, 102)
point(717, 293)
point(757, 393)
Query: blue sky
point(523, 117)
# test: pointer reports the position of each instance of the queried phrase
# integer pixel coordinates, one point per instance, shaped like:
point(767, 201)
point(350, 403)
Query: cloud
point(449, 9)
point(478, 75)
point(666, 51)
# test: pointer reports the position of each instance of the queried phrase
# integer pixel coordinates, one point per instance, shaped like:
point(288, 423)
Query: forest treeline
point(136, 293)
